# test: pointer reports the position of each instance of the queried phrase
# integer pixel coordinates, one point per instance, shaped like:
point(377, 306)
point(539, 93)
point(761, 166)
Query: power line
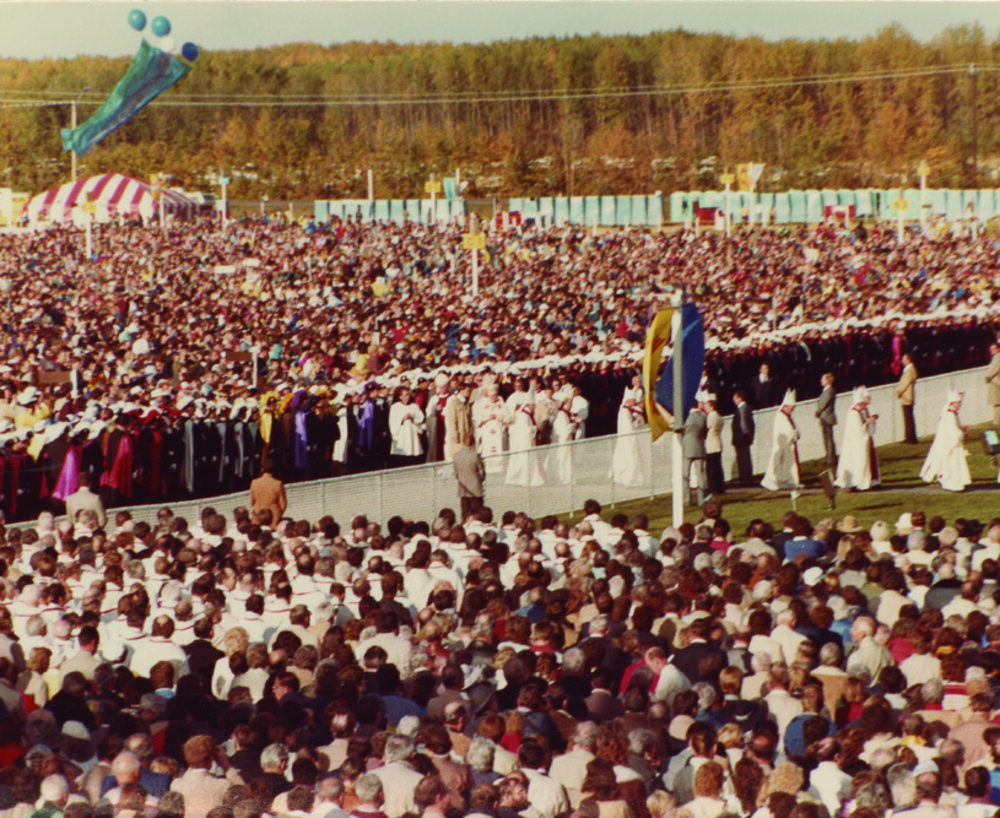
point(480, 97)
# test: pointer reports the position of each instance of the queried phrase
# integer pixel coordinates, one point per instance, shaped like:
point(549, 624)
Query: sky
point(34, 29)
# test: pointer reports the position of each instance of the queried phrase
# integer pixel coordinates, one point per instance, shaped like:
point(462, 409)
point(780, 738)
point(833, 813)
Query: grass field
point(902, 490)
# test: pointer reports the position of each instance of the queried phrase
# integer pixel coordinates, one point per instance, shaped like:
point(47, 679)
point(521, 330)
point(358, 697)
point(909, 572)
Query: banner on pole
point(656, 339)
point(693, 364)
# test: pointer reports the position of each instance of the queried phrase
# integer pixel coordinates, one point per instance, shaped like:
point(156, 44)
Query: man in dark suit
point(202, 655)
point(602, 703)
point(825, 412)
point(688, 660)
point(743, 435)
point(765, 390)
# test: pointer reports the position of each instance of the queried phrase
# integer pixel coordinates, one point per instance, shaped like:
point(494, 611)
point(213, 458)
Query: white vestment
point(858, 466)
point(489, 416)
point(559, 464)
point(523, 468)
point(627, 466)
point(946, 460)
point(782, 472)
point(406, 422)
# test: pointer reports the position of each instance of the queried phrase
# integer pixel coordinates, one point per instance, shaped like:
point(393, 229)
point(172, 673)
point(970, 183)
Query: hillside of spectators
point(160, 329)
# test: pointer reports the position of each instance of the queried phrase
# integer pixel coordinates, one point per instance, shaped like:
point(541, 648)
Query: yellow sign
point(924, 169)
point(473, 241)
point(727, 178)
point(433, 186)
point(156, 184)
point(901, 205)
point(88, 207)
point(657, 338)
point(748, 174)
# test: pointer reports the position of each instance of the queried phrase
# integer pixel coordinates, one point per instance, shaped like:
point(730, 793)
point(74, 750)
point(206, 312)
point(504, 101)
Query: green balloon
point(160, 26)
point(137, 19)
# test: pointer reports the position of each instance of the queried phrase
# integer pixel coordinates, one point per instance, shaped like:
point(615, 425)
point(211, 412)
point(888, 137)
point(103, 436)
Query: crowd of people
point(473, 666)
point(155, 360)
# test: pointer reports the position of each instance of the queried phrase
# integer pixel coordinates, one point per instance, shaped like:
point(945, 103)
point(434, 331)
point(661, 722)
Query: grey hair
point(398, 748)
point(760, 662)
point(274, 755)
point(932, 691)
point(873, 796)
point(585, 735)
point(408, 726)
point(480, 755)
point(368, 786)
point(641, 740)
point(882, 757)
point(830, 654)
point(136, 570)
point(35, 626)
point(706, 695)
point(573, 660)
point(762, 590)
point(54, 788)
point(903, 786)
point(329, 788)
point(125, 764)
point(600, 624)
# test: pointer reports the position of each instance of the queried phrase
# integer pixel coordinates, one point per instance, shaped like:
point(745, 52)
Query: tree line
point(543, 116)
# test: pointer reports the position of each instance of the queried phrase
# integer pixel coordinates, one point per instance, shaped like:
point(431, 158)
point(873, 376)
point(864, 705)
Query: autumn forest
point(585, 115)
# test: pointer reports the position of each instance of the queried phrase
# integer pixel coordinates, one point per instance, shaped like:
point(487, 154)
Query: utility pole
point(975, 129)
point(676, 445)
point(72, 125)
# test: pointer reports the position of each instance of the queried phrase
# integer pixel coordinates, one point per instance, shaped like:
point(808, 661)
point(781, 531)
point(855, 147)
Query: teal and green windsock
point(152, 72)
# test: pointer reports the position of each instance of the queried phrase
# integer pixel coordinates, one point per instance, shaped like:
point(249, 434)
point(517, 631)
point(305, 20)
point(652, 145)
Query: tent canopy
point(113, 194)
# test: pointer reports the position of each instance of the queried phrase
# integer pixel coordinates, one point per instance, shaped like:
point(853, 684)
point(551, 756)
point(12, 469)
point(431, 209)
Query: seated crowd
point(249, 667)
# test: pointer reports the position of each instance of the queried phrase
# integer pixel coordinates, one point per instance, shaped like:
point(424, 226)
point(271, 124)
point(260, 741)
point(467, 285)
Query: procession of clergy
point(857, 467)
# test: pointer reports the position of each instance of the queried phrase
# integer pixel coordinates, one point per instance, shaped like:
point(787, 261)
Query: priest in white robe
point(406, 425)
point(782, 473)
point(858, 466)
point(946, 461)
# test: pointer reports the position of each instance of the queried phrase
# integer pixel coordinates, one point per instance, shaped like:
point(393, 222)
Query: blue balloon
point(189, 51)
point(160, 26)
point(137, 19)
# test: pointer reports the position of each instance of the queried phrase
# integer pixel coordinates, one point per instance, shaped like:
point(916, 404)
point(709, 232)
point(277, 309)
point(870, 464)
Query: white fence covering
point(421, 491)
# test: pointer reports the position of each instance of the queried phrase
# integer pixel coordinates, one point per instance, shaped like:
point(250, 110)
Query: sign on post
point(473, 241)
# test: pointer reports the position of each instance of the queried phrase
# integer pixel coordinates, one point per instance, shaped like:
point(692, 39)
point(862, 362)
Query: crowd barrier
point(789, 207)
point(811, 206)
point(592, 210)
point(420, 492)
point(421, 211)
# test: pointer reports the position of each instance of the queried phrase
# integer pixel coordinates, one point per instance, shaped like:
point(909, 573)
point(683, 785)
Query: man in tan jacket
point(904, 392)
point(993, 383)
point(267, 491)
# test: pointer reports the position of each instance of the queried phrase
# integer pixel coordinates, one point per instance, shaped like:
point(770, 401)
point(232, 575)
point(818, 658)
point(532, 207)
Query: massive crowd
point(154, 337)
point(480, 666)
point(246, 667)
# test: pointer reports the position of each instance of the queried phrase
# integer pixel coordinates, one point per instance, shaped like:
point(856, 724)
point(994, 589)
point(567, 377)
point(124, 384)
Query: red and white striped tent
point(113, 195)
